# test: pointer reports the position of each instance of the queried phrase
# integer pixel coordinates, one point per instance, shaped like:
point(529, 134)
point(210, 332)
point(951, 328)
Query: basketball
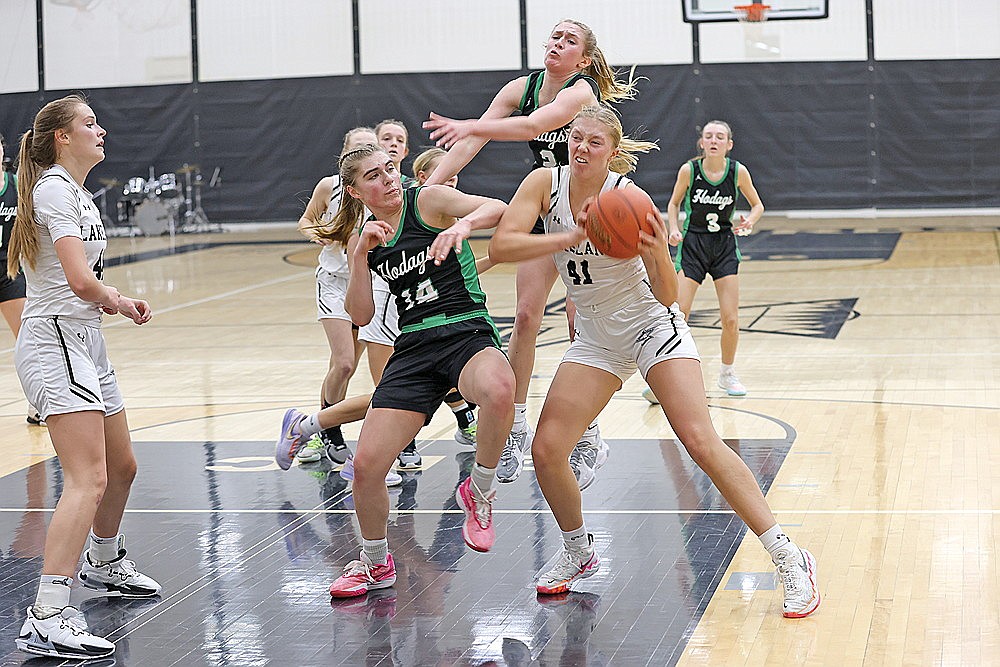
point(614, 221)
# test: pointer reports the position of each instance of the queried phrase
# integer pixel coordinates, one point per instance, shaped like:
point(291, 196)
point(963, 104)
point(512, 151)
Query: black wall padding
point(811, 134)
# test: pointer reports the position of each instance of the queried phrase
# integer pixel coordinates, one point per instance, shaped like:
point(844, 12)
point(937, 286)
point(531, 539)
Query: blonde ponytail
point(38, 153)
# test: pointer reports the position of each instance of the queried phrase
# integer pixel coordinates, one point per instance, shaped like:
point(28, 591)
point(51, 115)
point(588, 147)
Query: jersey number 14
point(424, 292)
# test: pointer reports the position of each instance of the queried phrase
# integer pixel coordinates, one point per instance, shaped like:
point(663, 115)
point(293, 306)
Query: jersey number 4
point(424, 292)
point(584, 269)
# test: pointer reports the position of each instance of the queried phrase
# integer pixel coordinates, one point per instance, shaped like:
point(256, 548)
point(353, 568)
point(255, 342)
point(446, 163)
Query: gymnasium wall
point(898, 108)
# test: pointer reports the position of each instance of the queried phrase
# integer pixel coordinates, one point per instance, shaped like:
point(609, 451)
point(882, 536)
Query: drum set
point(164, 205)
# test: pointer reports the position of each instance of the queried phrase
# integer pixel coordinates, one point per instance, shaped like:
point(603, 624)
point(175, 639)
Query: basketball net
point(760, 40)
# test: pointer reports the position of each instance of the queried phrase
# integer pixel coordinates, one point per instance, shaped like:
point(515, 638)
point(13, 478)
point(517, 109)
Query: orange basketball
point(614, 221)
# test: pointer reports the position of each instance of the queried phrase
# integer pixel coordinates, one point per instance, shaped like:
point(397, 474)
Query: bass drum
point(152, 217)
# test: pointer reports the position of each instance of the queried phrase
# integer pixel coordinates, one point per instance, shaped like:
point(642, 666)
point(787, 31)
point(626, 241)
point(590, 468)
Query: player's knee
point(700, 442)
point(341, 370)
point(527, 321)
point(365, 471)
point(90, 486)
point(497, 396)
point(123, 472)
point(730, 322)
point(545, 455)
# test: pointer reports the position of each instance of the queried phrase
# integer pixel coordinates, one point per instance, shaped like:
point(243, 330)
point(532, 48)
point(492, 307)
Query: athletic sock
point(309, 426)
point(482, 478)
point(102, 549)
point(53, 595)
point(412, 447)
point(576, 541)
point(726, 368)
point(520, 418)
point(376, 550)
point(773, 539)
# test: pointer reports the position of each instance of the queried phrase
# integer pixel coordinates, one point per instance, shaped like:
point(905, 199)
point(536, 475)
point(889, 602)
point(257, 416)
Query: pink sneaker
point(478, 527)
point(361, 576)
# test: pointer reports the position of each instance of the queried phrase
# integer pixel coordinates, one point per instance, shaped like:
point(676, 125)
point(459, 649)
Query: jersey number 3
point(425, 292)
point(713, 222)
point(548, 158)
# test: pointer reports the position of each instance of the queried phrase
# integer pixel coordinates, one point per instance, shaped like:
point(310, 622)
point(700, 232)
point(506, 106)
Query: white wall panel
point(842, 36)
point(18, 47)
point(116, 43)
point(439, 35)
point(264, 39)
point(946, 29)
point(643, 32)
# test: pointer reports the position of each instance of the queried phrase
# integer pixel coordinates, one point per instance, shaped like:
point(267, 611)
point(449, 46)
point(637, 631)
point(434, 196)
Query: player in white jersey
point(331, 286)
point(627, 319)
point(62, 362)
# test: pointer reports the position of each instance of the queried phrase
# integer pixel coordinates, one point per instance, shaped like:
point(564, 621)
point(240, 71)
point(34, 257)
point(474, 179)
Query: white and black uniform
point(61, 357)
point(620, 326)
point(332, 273)
point(384, 327)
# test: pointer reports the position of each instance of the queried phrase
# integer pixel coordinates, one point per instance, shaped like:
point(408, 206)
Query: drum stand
point(195, 218)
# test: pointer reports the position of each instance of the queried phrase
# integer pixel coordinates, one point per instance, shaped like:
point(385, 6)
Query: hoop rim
point(754, 13)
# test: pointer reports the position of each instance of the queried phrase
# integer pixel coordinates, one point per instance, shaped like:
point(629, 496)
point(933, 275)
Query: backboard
point(709, 11)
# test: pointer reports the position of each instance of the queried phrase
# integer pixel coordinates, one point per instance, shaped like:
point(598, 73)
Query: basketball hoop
point(754, 13)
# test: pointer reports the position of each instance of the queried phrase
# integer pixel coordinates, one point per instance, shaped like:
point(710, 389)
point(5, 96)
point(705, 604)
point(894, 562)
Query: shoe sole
point(308, 459)
point(564, 587)
point(811, 562)
point(113, 590)
point(409, 466)
point(342, 595)
point(25, 647)
point(732, 392)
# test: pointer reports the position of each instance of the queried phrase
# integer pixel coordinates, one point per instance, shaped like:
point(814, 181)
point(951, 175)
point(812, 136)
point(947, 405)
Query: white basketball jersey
point(597, 283)
point(333, 257)
point(62, 208)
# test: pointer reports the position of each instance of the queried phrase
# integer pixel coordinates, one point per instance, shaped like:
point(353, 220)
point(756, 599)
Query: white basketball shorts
point(63, 366)
point(331, 290)
point(384, 327)
point(639, 335)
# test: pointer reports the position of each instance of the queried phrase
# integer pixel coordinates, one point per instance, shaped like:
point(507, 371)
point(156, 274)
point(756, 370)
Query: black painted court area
point(246, 555)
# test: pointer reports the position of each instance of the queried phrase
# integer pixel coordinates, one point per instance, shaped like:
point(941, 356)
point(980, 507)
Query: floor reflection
point(246, 555)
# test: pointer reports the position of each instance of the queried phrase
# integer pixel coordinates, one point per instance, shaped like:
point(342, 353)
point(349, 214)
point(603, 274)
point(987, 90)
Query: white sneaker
point(731, 384)
point(589, 454)
point(63, 635)
point(648, 394)
point(797, 573)
point(117, 577)
point(409, 459)
point(568, 568)
point(312, 451)
point(512, 457)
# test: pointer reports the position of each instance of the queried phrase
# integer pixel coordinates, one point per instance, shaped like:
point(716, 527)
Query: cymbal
point(108, 182)
point(188, 169)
